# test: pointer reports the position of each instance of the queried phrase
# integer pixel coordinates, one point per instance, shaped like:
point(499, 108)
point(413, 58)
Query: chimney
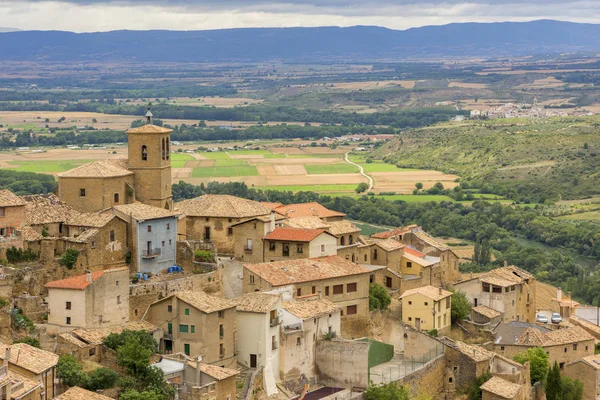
point(198, 372)
point(6, 356)
point(440, 291)
point(272, 221)
point(88, 276)
point(558, 294)
point(505, 263)
point(320, 294)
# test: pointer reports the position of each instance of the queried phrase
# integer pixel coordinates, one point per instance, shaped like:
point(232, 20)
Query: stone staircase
point(242, 381)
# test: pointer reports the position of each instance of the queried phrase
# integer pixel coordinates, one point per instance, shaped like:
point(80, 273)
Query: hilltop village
point(110, 282)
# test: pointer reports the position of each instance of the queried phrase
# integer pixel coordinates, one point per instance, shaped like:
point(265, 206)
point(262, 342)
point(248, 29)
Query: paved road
point(362, 172)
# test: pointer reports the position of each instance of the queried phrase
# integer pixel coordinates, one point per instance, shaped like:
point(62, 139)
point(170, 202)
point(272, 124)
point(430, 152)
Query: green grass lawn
point(313, 188)
point(593, 216)
point(231, 163)
point(382, 167)
point(216, 155)
point(181, 157)
point(274, 155)
point(47, 165)
point(219, 172)
point(331, 169)
point(178, 164)
point(315, 155)
point(247, 152)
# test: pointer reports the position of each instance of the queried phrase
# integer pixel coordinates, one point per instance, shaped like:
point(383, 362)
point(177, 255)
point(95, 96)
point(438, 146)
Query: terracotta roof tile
point(271, 205)
point(218, 373)
point(393, 232)
point(418, 260)
point(342, 228)
point(486, 311)
point(506, 276)
point(142, 212)
point(29, 234)
point(9, 199)
point(313, 209)
point(474, 352)
point(97, 336)
point(306, 309)
point(224, 206)
point(77, 393)
point(430, 240)
point(30, 358)
point(389, 244)
point(307, 223)
point(204, 302)
point(21, 385)
point(414, 252)
point(149, 129)
point(532, 337)
point(593, 361)
point(431, 292)
point(501, 387)
point(294, 234)
point(69, 337)
point(97, 169)
point(79, 282)
point(257, 302)
point(288, 272)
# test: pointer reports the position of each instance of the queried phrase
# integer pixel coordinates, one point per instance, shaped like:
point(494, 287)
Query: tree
point(538, 363)
point(70, 371)
point(135, 395)
point(134, 356)
point(69, 258)
point(461, 306)
point(379, 298)
point(116, 340)
point(101, 378)
point(474, 389)
point(362, 187)
point(419, 185)
point(30, 341)
point(553, 386)
point(386, 391)
point(571, 389)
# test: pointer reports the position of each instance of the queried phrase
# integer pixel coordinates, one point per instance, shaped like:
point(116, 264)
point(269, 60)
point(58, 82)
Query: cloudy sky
point(97, 15)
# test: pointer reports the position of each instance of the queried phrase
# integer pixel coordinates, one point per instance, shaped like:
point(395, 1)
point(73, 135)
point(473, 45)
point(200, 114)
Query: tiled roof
point(204, 302)
point(593, 361)
point(142, 212)
point(393, 232)
point(149, 129)
point(21, 385)
point(474, 352)
point(256, 302)
point(486, 311)
point(45, 209)
point(9, 199)
point(532, 337)
point(431, 292)
point(94, 220)
point(294, 234)
point(84, 237)
point(430, 240)
point(306, 309)
point(224, 206)
point(218, 373)
point(414, 252)
point(80, 282)
point(288, 272)
point(501, 387)
point(308, 223)
point(424, 262)
point(506, 276)
point(389, 244)
point(71, 338)
point(77, 393)
point(313, 209)
point(29, 234)
point(97, 336)
point(270, 205)
point(97, 169)
point(342, 227)
point(31, 358)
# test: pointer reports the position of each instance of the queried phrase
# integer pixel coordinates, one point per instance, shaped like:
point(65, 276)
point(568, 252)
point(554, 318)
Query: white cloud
point(86, 16)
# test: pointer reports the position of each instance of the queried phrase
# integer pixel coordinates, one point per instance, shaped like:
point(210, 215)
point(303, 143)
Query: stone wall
point(343, 363)
point(144, 294)
point(426, 380)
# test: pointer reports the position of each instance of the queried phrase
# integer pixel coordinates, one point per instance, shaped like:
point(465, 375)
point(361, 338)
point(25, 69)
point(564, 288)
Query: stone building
point(563, 346)
point(12, 219)
point(296, 243)
point(418, 239)
point(77, 393)
point(304, 322)
point(152, 236)
point(213, 217)
point(33, 364)
point(500, 389)
point(587, 370)
point(466, 362)
point(248, 241)
point(195, 323)
point(303, 210)
point(93, 300)
point(14, 386)
point(145, 176)
point(427, 308)
point(258, 317)
point(338, 280)
point(509, 290)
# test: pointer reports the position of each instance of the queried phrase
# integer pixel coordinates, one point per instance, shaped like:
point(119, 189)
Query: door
point(170, 328)
point(149, 247)
point(168, 346)
point(207, 233)
point(388, 281)
point(475, 300)
point(418, 323)
point(252, 360)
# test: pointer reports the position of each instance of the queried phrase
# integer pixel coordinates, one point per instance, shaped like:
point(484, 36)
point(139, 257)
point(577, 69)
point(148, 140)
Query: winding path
point(362, 171)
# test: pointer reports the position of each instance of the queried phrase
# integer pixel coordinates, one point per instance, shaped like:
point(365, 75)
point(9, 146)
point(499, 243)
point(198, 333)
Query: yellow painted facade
point(425, 313)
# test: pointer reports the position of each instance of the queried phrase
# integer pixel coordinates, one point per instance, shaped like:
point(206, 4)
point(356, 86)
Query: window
point(92, 351)
point(170, 242)
point(448, 302)
point(575, 346)
point(187, 311)
point(221, 314)
point(183, 328)
point(93, 244)
point(409, 264)
point(193, 328)
point(68, 305)
point(221, 350)
point(186, 349)
point(502, 348)
point(338, 289)
point(342, 241)
point(410, 303)
point(298, 341)
point(410, 318)
point(299, 292)
point(271, 246)
point(68, 320)
point(2, 211)
point(116, 196)
point(565, 349)
point(322, 248)
point(163, 149)
point(314, 289)
point(230, 231)
point(144, 153)
point(350, 239)
point(450, 380)
point(116, 283)
point(118, 299)
point(351, 287)
point(561, 365)
point(375, 254)
point(286, 250)
point(149, 228)
point(168, 226)
point(351, 310)
point(221, 331)
point(326, 290)
point(82, 192)
point(365, 258)
point(426, 303)
point(168, 148)
point(252, 279)
point(169, 308)
point(300, 249)
point(163, 243)
point(135, 312)
point(111, 236)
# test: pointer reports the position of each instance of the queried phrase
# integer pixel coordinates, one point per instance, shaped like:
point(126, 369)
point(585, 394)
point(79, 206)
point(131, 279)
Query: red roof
point(313, 209)
point(414, 252)
point(294, 234)
point(393, 232)
point(271, 205)
point(78, 282)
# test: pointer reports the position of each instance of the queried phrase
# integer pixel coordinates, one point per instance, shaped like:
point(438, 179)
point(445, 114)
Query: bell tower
point(149, 148)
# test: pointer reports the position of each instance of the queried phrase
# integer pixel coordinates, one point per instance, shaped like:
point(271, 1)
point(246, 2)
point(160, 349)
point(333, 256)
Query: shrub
point(204, 256)
point(379, 298)
point(69, 258)
point(461, 306)
point(29, 340)
point(3, 302)
point(20, 321)
point(386, 391)
point(116, 340)
point(362, 187)
point(474, 390)
point(15, 255)
point(101, 378)
point(538, 361)
point(70, 371)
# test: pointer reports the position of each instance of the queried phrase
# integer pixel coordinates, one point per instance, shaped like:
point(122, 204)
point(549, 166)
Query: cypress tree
point(553, 384)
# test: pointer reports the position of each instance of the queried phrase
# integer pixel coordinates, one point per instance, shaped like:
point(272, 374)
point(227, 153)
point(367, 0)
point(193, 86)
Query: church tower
point(149, 149)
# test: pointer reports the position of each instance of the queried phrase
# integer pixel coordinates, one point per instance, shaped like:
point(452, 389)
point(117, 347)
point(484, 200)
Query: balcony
point(247, 250)
point(274, 322)
point(151, 253)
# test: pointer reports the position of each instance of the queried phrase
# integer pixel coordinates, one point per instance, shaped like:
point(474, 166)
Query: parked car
point(556, 318)
point(541, 318)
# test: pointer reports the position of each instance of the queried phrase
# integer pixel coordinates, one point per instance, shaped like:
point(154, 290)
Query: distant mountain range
point(304, 44)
